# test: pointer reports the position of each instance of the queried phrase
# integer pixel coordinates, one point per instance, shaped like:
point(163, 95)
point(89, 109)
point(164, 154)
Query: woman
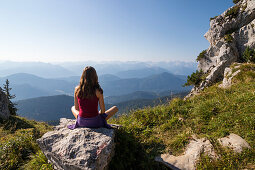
point(86, 98)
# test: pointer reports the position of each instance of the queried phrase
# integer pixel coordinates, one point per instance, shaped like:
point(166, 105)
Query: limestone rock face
point(81, 148)
point(4, 111)
point(198, 146)
point(229, 35)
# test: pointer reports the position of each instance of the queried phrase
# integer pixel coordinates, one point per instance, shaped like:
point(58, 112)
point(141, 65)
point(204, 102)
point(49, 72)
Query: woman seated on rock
point(86, 98)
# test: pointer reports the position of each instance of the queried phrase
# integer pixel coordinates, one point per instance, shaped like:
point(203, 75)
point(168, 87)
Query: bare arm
point(100, 97)
point(76, 105)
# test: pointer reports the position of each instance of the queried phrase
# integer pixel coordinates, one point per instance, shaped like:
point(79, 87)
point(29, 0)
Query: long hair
point(88, 84)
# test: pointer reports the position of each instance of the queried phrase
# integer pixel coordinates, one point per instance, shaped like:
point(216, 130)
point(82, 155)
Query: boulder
point(234, 142)
point(4, 111)
point(189, 158)
point(198, 146)
point(81, 148)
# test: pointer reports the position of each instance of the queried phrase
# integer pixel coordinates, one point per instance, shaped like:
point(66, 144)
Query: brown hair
point(88, 84)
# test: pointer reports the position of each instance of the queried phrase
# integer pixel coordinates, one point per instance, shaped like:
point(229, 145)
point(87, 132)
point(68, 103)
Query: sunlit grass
point(214, 113)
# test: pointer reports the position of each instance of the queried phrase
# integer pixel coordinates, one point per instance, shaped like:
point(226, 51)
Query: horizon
point(144, 31)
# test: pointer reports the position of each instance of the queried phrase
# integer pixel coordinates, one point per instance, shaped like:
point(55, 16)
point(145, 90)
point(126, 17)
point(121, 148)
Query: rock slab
point(4, 111)
point(81, 148)
point(191, 155)
point(196, 147)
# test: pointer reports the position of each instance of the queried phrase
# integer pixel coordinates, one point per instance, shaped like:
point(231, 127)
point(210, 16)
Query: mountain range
point(26, 86)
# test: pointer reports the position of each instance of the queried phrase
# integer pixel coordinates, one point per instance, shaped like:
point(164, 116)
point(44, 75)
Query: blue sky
point(99, 30)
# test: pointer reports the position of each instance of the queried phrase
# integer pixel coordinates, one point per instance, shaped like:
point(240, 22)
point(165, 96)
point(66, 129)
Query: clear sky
point(98, 30)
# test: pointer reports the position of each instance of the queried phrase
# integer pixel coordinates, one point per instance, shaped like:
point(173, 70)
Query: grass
point(214, 113)
point(18, 142)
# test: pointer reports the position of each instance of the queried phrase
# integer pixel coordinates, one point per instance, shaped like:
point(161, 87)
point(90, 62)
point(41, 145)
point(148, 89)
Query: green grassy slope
point(213, 114)
point(18, 147)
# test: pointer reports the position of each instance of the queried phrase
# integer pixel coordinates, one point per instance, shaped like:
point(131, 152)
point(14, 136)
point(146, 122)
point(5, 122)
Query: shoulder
point(75, 89)
point(98, 93)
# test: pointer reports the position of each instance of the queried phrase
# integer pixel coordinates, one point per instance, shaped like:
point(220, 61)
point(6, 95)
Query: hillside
point(215, 113)
point(18, 147)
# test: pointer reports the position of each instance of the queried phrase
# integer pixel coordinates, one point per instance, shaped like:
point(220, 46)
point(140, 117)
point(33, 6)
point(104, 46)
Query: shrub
point(236, 1)
point(228, 38)
point(16, 149)
point(201, 55)
point(213, 18)
point(248, 55)
point(195, 78)
point(233, 12)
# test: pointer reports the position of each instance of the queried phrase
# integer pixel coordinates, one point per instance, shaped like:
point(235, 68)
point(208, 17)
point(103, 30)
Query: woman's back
point(88, 107)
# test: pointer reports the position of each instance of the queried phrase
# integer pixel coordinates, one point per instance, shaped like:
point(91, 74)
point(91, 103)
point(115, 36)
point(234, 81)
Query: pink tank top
point(88, 107)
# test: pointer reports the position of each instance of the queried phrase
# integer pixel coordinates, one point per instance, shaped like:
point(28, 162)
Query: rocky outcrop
point(198, 146)
point(81, 148)
point(229, 35)
point(229, 74)
point(4, 111)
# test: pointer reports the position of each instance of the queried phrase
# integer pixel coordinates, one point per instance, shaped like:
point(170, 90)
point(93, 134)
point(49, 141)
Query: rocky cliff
point(4, 111)
point(229, 35)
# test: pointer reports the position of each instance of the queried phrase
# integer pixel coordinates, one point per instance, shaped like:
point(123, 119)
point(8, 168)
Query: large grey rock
point(222, 54)
point(234, 142)
point(4, 111)
point(81, 148)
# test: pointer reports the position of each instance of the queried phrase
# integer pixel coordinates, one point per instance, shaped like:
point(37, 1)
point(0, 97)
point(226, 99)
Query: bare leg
point(110, 112)
point(75, 112)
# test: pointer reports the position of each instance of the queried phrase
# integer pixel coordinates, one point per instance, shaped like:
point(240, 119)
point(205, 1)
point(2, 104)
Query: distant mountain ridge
point(46, 70)
point(29, 86)
point(22, 82)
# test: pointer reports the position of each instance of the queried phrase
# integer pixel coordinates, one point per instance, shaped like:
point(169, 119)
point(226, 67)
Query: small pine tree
point(248, 55)
point(6, 90)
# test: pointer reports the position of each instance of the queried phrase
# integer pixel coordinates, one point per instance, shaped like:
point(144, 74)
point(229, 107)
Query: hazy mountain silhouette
point(141, 73)
point(41, 69)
